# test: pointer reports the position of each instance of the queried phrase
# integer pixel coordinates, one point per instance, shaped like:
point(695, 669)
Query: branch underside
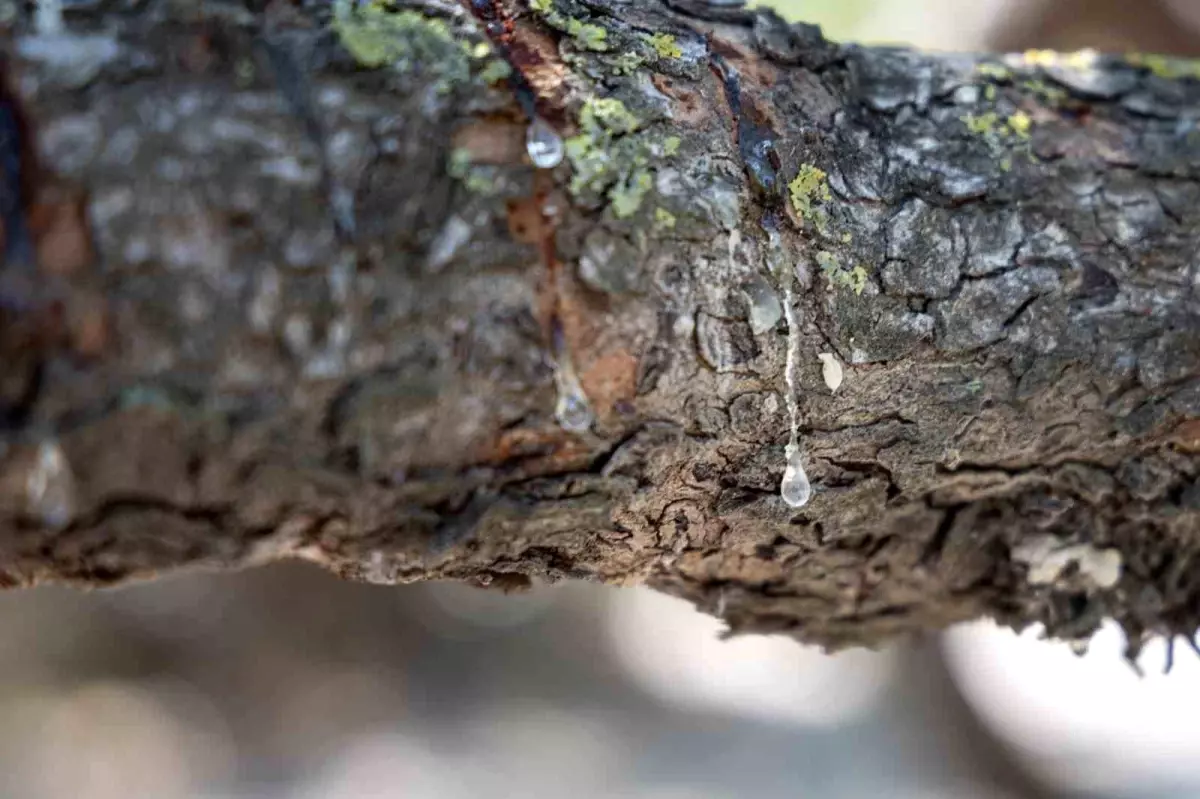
point(294, 289)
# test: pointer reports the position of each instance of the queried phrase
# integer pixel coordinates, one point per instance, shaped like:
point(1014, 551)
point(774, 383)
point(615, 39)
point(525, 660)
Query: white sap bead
point(795, 488)
point(765, 310)
point(50, 487)
point(544, 145)
point(573, 412)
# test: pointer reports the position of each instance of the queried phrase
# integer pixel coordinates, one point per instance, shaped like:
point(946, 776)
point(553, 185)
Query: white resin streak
point(795, 487)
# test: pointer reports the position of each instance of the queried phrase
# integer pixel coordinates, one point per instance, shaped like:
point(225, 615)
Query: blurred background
point(286, 682)
point(1162, 26)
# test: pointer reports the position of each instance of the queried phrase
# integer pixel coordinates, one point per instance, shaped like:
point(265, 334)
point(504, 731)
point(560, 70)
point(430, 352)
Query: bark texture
point(292, 288)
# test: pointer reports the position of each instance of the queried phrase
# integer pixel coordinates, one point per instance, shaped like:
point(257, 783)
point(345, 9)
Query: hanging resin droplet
point(573, 413)
point(544, 145)
point(572, 409)
point(50, 487)
point(795, 488)
point(765, 310)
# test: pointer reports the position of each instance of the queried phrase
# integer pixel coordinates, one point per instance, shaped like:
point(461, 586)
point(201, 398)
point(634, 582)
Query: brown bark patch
point(688, 107)
point(91, 326)
point(1187, 436)
point(491, 141)
point(58, 223)
point(535, 55)
point(610, 379)
point(526, 222)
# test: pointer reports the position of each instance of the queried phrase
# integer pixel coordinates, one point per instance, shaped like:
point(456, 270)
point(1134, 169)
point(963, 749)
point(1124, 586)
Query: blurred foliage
point(838, 18)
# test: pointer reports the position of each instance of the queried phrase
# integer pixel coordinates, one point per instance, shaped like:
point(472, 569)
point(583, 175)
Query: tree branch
point(296, 290)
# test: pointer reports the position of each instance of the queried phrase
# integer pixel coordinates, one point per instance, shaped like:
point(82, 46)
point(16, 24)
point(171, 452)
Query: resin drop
point(50, 487)
point(795, 487)
point(765, 311)
point(572, 410)
point(544, 145)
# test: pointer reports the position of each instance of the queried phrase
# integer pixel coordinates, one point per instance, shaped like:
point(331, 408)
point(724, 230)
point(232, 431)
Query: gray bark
point(296, 290)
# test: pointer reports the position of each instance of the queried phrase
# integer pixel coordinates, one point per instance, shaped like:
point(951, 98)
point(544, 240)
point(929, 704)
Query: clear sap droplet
point(765, 309)
point(795, 488)
point(544, 145)
point(777, 263)
point(573, 412)
point(50, 487)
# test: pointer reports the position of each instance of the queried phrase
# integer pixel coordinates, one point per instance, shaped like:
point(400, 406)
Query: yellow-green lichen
point(992, 74)
point(376, 35)
point(495, 71)
point(807, 190)
point(480, 180)
point(854, 279)
point(991, 71)
point(588, 162)
point(607, 114)
point(627, 195)
point(1078, 60)
point(1166, 66)
point(477, 179)
point(663, 219)
point(1000, 133)
point(490, 70)
point(626, 63)
point(1040, 58)
point(858, 279)
point(591, 152)
point(664, 44)
point(606, 159)
point(612, 156)
point(1051, 95)
point(459, 163)
point(981, 124)
point(586, 35)
point(1020, 124)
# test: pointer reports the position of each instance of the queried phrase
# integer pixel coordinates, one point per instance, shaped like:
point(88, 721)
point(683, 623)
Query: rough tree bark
point(296, 290)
